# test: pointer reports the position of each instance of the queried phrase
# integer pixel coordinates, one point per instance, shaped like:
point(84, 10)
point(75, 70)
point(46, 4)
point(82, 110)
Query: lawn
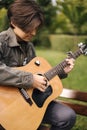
point(77, 79)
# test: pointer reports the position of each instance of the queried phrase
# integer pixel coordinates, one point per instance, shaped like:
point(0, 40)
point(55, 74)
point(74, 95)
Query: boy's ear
point(13, 25)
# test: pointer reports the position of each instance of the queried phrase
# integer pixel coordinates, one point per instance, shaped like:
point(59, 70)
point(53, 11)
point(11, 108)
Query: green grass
point(77, 79)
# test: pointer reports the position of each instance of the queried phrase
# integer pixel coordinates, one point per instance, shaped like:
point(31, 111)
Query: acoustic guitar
point(22, 109)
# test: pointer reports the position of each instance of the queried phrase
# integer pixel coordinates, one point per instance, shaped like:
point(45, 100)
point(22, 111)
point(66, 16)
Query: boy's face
point(28, 35)
point(24, 36)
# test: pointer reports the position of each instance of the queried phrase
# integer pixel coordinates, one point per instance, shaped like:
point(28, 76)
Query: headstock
point(83, 48)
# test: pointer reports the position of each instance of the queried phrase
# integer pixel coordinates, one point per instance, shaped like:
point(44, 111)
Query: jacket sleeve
point(62, 75)
point(13, 77)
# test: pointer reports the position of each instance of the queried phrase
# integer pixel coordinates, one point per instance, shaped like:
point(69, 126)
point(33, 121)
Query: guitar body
point(15, 112)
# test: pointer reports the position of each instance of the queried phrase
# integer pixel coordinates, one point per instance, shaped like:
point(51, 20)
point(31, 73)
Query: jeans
point(59, 116)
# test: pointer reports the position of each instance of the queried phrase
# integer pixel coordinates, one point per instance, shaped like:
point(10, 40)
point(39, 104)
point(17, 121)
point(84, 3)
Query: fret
point(77, 54)
point(59, 68)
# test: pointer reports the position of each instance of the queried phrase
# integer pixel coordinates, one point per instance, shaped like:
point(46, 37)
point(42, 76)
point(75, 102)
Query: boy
point(25, 18)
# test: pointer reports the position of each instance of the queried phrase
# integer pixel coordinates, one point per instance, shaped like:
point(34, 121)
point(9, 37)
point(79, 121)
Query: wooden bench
point(77, 100)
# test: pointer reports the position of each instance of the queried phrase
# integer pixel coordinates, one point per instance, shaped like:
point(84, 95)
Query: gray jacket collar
point(12, 38)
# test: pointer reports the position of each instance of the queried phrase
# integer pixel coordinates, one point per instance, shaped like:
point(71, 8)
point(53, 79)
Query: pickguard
point(40, 97)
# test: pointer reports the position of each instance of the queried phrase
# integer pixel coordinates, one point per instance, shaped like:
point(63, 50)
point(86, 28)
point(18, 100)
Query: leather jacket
point(13, 54)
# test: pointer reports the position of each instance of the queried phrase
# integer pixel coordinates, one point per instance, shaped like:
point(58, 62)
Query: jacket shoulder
point(3, 36)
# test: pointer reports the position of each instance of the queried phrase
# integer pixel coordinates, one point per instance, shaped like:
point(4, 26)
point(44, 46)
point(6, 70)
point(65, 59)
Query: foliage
point(76, 12)
point(66, 43)
point(5, 3)
point(3, 19)
point(50, 16)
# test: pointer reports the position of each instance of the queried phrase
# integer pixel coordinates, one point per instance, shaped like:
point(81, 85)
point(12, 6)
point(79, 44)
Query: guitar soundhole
point(40, 97)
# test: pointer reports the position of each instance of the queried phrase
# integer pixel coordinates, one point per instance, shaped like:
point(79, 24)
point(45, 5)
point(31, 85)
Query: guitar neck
point(59, 68)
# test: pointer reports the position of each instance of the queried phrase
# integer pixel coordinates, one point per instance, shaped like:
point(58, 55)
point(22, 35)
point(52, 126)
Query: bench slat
point(74, 94)
point(79, 109)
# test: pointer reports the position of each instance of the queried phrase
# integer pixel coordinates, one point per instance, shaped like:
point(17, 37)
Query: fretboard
point(58, 69)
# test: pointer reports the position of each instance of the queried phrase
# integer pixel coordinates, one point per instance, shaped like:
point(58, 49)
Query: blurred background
point(65, 27)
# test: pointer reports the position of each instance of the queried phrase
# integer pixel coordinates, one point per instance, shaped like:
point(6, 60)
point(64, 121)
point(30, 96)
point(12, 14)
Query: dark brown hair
point(26, 14)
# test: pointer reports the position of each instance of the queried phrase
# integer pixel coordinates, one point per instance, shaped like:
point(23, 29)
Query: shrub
point(65, 42)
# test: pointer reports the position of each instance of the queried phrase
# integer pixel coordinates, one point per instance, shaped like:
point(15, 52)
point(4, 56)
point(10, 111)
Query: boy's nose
point(33, 32)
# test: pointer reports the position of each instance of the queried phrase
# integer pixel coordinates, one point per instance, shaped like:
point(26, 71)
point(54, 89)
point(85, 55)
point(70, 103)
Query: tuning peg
point(86, 52)
point(80, 44)
point(70, 54)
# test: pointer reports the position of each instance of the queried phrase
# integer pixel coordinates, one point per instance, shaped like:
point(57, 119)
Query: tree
point(3, 8)
point(5, 3)
point(50, 13)
point(2, 18)
point(76, 12)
